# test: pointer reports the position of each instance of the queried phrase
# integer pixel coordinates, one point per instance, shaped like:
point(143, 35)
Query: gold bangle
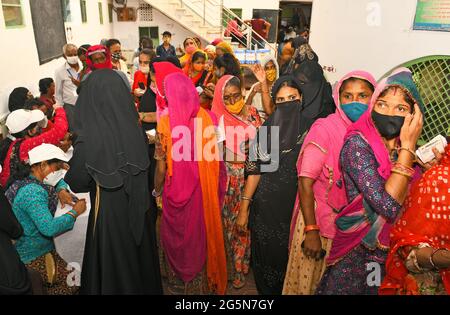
point(71, 214)
point(395, 171)
point(410, 151)
point(246, 198)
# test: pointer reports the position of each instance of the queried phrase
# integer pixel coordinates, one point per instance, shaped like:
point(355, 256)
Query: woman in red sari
point(419, 259)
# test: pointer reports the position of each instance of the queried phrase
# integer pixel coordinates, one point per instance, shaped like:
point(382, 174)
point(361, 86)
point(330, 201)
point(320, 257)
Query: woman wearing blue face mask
point(320, 186)
point(34, 199)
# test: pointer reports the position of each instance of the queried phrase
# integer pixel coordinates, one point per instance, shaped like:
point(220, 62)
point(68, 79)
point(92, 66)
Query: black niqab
point(107, 122)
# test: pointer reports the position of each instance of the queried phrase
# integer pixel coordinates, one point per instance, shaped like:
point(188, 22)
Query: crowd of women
point(201, 170)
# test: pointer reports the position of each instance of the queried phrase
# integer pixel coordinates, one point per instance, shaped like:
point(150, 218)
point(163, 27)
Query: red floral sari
point(426, 220)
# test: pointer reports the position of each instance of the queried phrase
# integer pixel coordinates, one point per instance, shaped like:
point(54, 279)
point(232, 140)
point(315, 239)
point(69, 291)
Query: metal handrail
point(252, 34)
point(203, 9)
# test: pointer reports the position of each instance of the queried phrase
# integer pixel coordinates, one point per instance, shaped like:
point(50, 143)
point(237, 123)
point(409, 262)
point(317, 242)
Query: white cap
point(20, 119)
point(46, 152)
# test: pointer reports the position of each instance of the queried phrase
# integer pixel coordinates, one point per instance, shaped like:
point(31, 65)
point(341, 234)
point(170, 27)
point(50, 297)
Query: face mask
point(198, 67)
point(190, 50)
point(237, 107)
point(271, 75)
point(218, 74)
point(53, 178)
point(145, 69)
point(116, 56)
point(388, 126)
point(73, 60)
point(354, 110)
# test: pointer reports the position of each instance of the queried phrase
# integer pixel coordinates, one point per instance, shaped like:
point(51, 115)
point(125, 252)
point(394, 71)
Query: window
point(110, 12)
point(67, 14)
point(151, 32)
point(100, 12)
point(12, 12)
point(83, 11)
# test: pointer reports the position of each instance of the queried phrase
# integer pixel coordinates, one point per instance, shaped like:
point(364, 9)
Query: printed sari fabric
point(425, 222)
point(193, 189)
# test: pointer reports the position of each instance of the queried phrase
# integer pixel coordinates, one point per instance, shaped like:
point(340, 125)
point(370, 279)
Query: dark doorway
point(295, 14)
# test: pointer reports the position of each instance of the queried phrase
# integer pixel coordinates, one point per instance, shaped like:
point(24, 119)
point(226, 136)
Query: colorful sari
point(234, 140)
point(191, 228)
point(321, 147)
point(426, 220)
point(364, 225)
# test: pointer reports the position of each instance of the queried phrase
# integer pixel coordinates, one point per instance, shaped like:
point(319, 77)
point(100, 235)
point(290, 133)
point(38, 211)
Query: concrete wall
point(247, 6)
point(19, 62)
point(371, 35)
point(128, 32)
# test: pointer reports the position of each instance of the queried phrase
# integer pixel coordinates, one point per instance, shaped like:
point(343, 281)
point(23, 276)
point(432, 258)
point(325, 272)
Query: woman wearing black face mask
point(271, 186)
point(377, 166)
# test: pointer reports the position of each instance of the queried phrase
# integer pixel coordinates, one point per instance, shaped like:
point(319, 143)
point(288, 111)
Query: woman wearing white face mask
point(34, 199)
point(141, 76)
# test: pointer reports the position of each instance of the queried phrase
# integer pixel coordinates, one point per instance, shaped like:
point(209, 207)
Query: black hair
point(147, 43)
point(249, 77)
point(189, 38)
point(198, 55)
point(149, 52)
point(111, 42)
point(44, 85)
point(167, 33)
point(17, 98)
point(172, 59)
point(256, 15)
point(34, 102)
point(234, 81)
point(230, 64)
point(287, 83)
point(83, 49)
point(353, 79)
point(5, 144)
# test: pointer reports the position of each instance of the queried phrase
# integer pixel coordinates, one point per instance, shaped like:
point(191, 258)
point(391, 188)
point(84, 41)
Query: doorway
point(295, 14)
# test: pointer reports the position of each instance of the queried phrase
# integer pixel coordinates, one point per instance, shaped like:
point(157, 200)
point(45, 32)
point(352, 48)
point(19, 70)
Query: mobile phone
point(199, 90)
point(141, 86)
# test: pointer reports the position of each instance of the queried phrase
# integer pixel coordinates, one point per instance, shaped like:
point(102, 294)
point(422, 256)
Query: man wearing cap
point(25, 134)
point(34, 197)
point(166, 49)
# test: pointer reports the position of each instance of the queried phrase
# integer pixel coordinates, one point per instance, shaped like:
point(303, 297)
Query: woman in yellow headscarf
point(223, 48)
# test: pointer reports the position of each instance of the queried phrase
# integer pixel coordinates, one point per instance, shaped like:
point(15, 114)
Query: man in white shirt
point(67, 80)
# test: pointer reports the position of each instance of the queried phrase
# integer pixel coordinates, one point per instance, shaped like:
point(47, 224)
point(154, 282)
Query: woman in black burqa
point(111, 162)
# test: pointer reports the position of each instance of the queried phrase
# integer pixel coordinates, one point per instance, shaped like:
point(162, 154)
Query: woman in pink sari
point(320, 184)
point(192, 190)
point(377, 165)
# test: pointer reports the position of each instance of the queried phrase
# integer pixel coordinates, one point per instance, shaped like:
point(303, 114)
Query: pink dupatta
point(377, 232)
point(328, 134)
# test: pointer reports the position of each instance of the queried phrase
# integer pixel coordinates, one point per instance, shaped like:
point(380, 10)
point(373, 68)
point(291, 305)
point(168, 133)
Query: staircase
point(206, 19)
point(201, 17)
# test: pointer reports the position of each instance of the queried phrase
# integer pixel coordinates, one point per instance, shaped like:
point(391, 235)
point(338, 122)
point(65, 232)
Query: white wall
point(128, 32)
point(247, 6)
point(343, 38)
point(19, 62)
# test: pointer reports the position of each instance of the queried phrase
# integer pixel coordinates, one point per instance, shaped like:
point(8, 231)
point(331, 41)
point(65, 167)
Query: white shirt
point(66, 91)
